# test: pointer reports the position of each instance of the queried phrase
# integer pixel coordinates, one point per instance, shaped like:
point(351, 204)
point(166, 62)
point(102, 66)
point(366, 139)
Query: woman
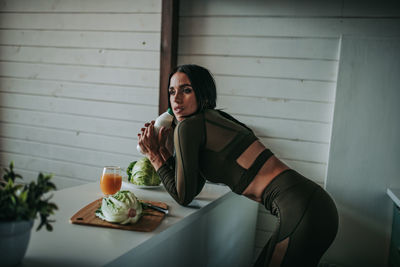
point(211, 145)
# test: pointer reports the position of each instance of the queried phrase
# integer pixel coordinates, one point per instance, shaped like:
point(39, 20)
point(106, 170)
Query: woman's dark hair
point(202, 83)
point(204, 88)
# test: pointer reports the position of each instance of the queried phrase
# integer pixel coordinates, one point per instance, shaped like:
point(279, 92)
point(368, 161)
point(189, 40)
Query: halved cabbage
point(123, 207)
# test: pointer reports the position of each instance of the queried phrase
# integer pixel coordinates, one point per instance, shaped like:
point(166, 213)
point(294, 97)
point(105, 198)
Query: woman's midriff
point(270, 169)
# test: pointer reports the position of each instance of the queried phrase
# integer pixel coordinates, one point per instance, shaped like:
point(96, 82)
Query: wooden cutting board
point(149, 221)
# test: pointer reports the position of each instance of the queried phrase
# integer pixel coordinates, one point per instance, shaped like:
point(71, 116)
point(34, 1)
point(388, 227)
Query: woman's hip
point(291, 195)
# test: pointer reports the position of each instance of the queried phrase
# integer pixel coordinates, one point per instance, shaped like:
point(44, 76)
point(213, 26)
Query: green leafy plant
point(24, 201)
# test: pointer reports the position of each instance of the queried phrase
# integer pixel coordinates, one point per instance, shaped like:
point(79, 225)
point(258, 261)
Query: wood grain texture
point(149, 221)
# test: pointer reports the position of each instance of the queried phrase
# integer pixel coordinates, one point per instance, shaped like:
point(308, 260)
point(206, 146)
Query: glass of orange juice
point(111, 180)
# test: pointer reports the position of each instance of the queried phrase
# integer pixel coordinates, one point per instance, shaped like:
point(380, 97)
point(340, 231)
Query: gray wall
point(365, 148)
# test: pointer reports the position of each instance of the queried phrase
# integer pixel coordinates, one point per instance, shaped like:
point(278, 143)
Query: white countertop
point(394, 194)
point(72, 244)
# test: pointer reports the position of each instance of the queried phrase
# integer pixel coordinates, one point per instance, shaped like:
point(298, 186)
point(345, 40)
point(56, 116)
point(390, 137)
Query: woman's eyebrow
point(182, 85)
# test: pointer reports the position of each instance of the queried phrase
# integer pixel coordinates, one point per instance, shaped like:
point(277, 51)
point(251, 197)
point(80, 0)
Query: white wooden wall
point(77, 81)
point(276, 64)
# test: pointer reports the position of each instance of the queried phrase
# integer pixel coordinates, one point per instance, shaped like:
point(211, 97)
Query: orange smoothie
point(110, 183)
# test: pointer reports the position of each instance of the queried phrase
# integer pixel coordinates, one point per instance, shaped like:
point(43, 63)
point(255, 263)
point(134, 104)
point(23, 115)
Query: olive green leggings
point(307, 221)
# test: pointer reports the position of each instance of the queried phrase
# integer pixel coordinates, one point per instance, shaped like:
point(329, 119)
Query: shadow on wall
point(352, 229)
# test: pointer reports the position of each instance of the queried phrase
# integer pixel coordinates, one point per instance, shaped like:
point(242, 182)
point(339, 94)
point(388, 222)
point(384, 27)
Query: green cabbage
point(129, 170)
point(123, 207)
point(143, 173)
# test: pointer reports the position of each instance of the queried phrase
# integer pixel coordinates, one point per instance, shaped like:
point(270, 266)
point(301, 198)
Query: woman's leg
point(307, 222)
point(315, 232)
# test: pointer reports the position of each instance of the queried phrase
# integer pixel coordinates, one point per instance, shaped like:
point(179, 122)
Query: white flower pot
point(14, 239)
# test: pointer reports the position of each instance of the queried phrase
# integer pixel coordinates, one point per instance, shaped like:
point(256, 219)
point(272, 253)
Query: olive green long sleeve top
point(207, 145)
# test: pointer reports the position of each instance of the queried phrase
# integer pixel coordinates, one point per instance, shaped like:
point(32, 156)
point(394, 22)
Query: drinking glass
point(111, 180)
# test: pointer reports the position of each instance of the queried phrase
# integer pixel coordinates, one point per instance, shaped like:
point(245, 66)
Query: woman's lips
point(178, 109)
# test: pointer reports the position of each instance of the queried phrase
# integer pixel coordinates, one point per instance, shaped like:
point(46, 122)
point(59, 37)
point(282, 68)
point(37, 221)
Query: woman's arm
point(181, 174)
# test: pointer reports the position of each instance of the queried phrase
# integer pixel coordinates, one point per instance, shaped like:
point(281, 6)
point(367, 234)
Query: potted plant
point(19, 206)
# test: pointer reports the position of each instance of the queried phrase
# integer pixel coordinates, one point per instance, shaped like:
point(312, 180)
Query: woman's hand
point(166, 142)
point(154, 145)
point(148, 141)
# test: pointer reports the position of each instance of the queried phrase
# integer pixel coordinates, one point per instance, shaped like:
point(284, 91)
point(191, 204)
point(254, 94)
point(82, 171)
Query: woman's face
point(182, 97)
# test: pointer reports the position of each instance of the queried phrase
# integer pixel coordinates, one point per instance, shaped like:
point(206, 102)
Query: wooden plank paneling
point(138, 6)
point(274, 8)
point(263, 46)
point(291, 129)
point(294, 150)
point(278, 108)
point(82, 39)
point(67, 154)
point(67, 169)
point(95, 143)
point(79, 22)
point(282, 26)
point(96, 75)
point(77, 124)
point(81, 56)
point(306, 69)
point(77, 81)
point(291, 8)
point(108, 93)
point(313, 170)
point(98, 109)
point(387, 8)
point(274, 88)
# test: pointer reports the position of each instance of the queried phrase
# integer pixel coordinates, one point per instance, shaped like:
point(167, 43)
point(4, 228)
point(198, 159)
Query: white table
point(218, 229)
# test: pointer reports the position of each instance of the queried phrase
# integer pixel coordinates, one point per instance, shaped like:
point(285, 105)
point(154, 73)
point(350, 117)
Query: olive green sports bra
point(207, 145)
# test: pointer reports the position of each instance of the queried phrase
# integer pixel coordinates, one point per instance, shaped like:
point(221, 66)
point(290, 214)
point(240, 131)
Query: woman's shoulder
point(198, 118)
point(216, 115)
point(222, 118)
point(195, 120)
point(191, 128)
